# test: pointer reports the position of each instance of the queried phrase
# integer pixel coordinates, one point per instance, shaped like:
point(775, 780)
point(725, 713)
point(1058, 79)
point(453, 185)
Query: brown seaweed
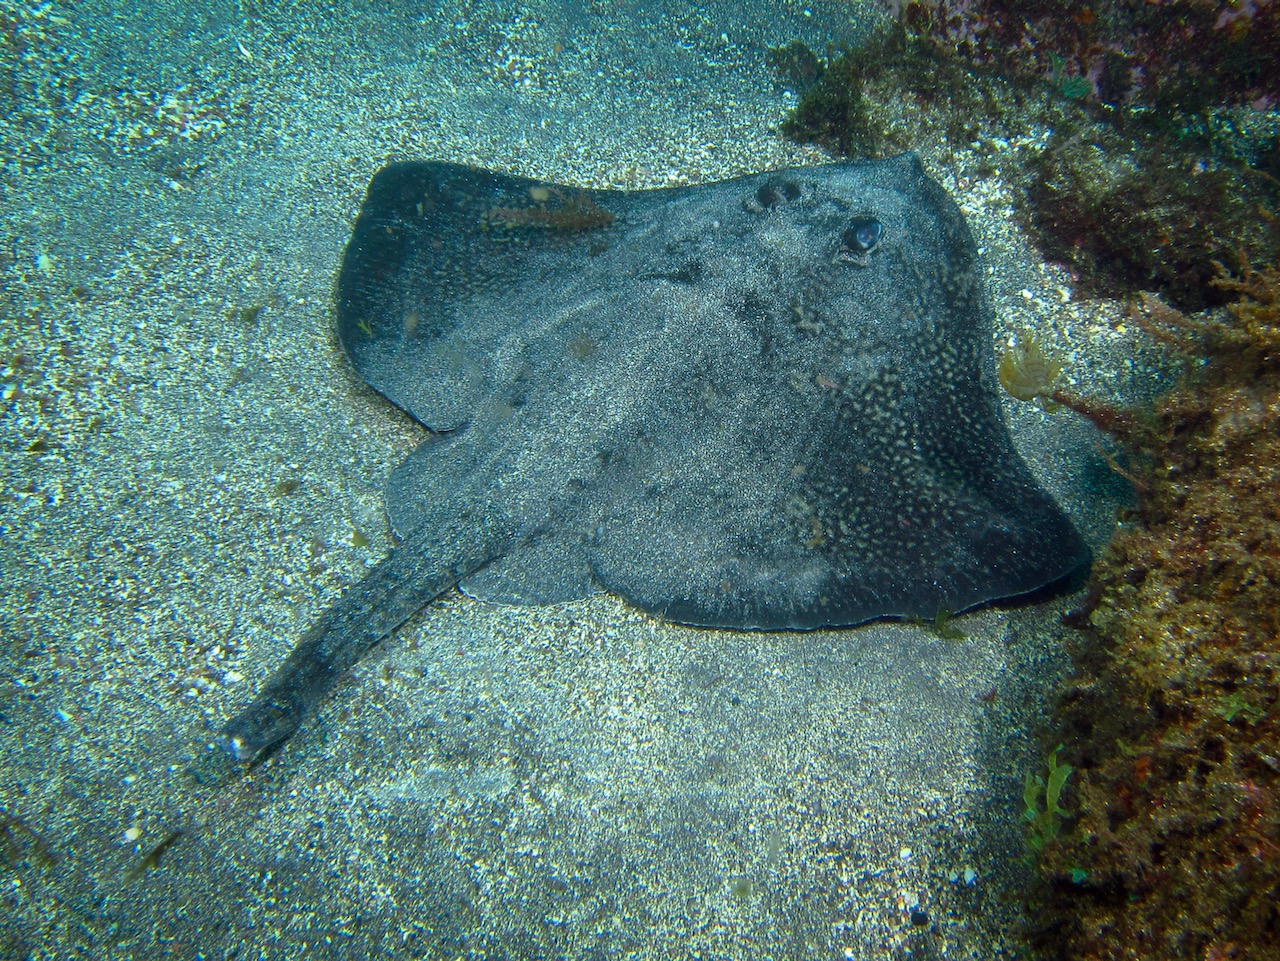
point(574, 211)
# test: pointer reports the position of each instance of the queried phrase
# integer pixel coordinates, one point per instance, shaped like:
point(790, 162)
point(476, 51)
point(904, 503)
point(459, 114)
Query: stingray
point(763, 403)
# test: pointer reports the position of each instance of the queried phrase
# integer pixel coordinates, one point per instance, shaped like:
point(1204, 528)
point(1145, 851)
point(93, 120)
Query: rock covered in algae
point(1174, 719)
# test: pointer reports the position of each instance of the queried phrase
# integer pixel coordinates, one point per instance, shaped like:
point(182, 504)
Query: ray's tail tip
point(237, 746)
point(254, 732)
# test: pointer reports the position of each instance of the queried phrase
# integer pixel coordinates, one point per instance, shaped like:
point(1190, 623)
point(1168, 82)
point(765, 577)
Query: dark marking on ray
point(765, 403)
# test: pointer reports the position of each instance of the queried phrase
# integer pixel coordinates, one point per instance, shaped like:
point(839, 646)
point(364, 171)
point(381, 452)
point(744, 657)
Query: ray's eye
point(863, 235)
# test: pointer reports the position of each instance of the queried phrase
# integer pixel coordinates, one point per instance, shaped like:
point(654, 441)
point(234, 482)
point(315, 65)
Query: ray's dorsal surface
point(763, 403)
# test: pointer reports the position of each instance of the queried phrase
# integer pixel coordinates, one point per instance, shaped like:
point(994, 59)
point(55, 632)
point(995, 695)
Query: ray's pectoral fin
point(400, 586)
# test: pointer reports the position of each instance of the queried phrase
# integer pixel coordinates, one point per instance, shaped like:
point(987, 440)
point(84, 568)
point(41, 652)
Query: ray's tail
point(395, 590)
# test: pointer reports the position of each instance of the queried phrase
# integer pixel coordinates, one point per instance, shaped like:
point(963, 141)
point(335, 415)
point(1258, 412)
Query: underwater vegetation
point(1028, 372)
point(1147, 178)
point(1130, 208)
point(1173, 719)
point(797, 67)
point(1183, 55)
point(554, 209)
point(1044, 815)
point(845, 108)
